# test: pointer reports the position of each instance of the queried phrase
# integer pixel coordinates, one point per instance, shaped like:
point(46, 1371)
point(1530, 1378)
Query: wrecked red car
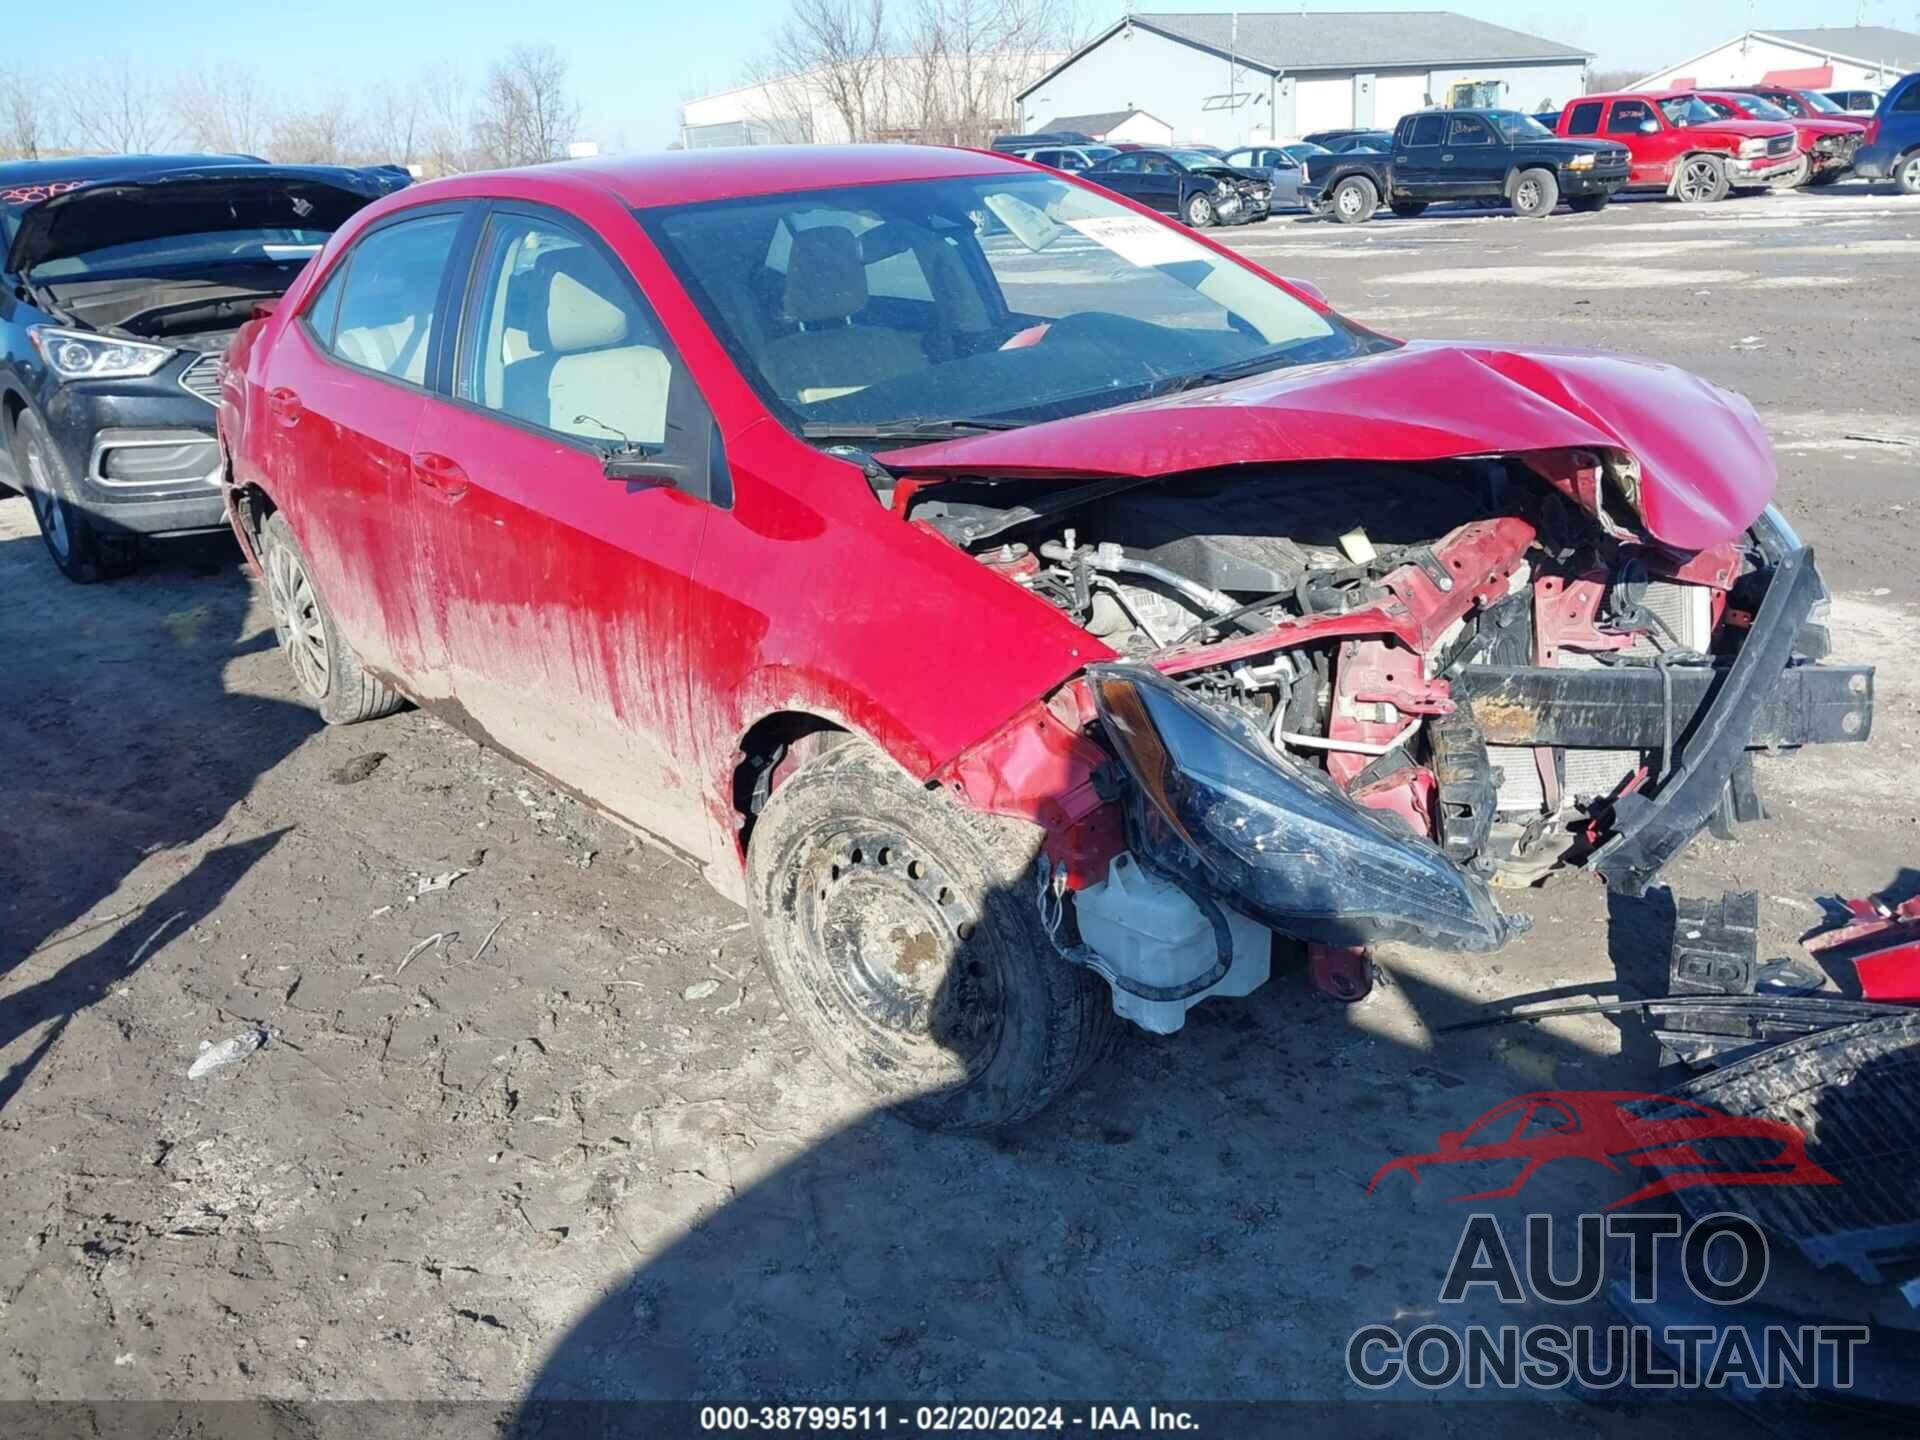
point(1826, 144)
point(1024, 607)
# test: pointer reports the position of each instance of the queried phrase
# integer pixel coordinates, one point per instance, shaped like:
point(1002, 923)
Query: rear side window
point(1585, 119)
point(1427, 130)
point(386, 313)
point(1908, 100)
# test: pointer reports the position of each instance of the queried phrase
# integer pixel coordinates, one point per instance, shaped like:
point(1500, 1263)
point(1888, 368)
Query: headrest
point(825, 278)
point(576, 313)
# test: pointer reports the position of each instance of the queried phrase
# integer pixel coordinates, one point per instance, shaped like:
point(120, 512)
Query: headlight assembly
point(1581, 162)
point(1751, 148)
point(1278, 840)
point(80, 355)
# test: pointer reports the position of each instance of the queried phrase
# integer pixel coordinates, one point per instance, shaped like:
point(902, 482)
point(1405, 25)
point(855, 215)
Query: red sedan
point(1024, 607)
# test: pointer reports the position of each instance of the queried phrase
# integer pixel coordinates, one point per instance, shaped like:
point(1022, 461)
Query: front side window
point(386, 315)
point(1469, 132)
point(1516, 127)
point(1687, 110)
point(559, 339)
point(1585, 119)
point(1628, 116)
point(1044, 298)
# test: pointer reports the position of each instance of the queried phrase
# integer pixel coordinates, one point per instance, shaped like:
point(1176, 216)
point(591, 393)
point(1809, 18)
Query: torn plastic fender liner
point(1649, 832)
point(1275, 840)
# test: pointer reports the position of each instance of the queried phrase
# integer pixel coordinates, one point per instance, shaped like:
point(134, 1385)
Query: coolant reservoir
point(1150, 933)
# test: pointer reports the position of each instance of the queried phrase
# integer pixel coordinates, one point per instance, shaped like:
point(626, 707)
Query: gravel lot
point(598, 1159)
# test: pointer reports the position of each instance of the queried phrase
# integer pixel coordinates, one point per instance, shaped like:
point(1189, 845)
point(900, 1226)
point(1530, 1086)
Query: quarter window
point(1585, 119)
point(325, 309)
point(386, 309)
point(560, 340)
point(1909, 100)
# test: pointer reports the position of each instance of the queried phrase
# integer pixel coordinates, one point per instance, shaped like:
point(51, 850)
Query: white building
point(1851, 57)
point(1231, 79)
point(1115, 127)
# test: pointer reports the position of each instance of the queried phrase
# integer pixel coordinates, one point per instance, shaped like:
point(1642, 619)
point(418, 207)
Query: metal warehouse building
point(1229, 79)
point(1853, 57)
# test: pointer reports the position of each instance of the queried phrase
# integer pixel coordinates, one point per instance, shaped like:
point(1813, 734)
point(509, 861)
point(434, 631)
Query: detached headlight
point(1750, 148)
point(1278, 840)
point(80, 355)
point(1581, 162)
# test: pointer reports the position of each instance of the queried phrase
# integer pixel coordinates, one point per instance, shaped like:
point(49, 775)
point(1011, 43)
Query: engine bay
point(1352, 612)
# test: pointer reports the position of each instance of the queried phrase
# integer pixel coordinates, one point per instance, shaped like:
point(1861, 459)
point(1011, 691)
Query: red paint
point(1655, 156)
point(1808, 131)
point(1339, 972)
point(1886, 939)
point(1811, 77)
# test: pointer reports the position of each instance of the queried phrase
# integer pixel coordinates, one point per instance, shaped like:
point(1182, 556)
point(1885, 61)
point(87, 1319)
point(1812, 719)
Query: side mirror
point(1649, 127)
point(1309, 289)
point(700, 470)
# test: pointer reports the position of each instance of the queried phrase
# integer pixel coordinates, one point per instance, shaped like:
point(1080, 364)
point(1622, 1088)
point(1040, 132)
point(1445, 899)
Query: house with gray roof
point(1222, 79)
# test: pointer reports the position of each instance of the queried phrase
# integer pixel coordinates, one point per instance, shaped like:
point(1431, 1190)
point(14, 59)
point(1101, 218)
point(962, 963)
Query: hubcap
point(899, 941)
point(47, 508)
point(1349, 202)
point(296, 620)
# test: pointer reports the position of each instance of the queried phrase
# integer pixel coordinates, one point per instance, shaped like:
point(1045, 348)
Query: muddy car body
point(125, 276)
point(1015, 645)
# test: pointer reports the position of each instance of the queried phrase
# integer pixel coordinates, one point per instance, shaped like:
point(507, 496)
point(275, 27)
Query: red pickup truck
point(1680, 145)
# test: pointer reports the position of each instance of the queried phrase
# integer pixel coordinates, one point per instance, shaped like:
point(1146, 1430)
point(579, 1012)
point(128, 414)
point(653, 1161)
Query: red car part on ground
point(641, 471)
point(1883, 943)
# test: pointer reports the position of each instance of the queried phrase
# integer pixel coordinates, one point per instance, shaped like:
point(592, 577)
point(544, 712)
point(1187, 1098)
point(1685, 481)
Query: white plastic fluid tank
point(1153, 933)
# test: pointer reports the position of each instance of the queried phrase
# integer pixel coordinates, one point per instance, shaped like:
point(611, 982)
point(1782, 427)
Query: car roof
point(1632, 95)
point(686, 177)
point(107, 167)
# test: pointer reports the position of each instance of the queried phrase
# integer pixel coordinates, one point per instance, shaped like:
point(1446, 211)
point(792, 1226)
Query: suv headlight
point(81, 355)
point(1751, 148)
point(1581, 162)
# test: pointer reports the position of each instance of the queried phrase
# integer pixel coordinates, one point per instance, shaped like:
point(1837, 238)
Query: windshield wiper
point(1220, 374)
point(914, 429)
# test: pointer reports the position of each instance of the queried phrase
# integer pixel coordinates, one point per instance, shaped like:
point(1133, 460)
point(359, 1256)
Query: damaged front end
point(1347, 698)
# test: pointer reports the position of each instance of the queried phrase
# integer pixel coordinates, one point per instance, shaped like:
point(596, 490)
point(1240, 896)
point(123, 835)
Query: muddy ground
point(597, 1159)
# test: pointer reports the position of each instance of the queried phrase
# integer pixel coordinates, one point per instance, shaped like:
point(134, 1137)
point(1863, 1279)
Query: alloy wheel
point(1527, 194)
point(1200, 211)
point(47, 508)
point(1349, 201)
point(1910, 176)
point(1697, 181)
point(296, 620)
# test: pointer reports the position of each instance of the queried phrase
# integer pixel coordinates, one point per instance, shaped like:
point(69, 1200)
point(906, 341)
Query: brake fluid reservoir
point(1150, 933)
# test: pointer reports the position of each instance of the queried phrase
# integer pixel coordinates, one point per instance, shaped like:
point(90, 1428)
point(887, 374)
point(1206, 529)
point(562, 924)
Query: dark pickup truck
point(1466, 155)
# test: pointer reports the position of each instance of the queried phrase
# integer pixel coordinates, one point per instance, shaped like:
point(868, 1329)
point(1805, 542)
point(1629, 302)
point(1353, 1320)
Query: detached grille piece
point(202, 377)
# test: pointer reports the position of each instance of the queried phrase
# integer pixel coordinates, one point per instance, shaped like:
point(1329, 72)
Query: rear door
point(1417, 167)
point(560, 595)
point(1123, 176)
point(345, 392)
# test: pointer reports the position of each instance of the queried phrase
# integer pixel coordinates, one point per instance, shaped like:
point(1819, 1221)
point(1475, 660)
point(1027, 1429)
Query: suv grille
point(202, 377)
point(1780, 145)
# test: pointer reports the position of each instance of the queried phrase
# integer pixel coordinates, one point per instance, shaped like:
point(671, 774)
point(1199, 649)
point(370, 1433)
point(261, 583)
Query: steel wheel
point(296, 620)
point(1348, 201)
point(1199, 212)
point(1699, 180)
point(47, 508)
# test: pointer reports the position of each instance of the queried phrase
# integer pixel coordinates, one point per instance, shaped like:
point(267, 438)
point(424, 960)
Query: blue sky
point(634, 60)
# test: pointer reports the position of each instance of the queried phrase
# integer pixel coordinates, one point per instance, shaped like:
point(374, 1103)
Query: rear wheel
point(902, 931)
point(1354, 200)
point(1199, 211)
point(1702, 180)
point(1907, 172)
point(1588, 204)
point(1407, 209)
point(80, 549)
point(323, 664)
point(1535, 193)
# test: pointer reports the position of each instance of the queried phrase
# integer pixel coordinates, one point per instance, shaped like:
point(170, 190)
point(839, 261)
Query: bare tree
point(26, 113)
point(224, 110)
point(973, 57)
point(324, 133)
point(446, 131)
point(120, 110)
point(838, 49)
point(525, 114)
point(395, 123)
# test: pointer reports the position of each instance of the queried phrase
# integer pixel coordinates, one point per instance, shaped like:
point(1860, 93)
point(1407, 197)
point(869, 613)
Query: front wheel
point(79, 549)
point(1588, 204)
point(327, 670)
point(1796, 177)
point(1355, 200)
point(1825, 178)
point(1407, 209)
point(1535, 193)
point(1199, 211)
point(903, 933)
point(1702, 180)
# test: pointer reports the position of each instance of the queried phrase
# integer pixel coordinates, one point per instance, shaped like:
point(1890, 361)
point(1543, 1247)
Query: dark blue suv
point(121, 278)
point(1892, 147)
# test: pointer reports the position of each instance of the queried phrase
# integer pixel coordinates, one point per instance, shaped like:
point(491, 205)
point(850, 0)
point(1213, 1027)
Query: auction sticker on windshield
point(1138, 240)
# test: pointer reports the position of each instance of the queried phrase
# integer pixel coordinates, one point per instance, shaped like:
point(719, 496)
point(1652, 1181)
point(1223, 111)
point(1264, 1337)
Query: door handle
point(440, 473)
point(285, 406)
point(1446, 159)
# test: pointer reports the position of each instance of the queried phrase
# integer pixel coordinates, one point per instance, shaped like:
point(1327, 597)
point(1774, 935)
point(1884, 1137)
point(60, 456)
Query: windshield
point(211, 247)
point(1193, 159)
point(1814, 100)
point(1005, 298)
point(1516, 127)
point(1692, 110)
point(1761, 108)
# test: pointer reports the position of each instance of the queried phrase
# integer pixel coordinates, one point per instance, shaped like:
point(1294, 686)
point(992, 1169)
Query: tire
point(1907, 173)
point(1354, 200)
point(902, 932)
point(324, 666)
point(78, 548)
point(1535, 193)
point(1407, 209)
point(1702, 180)
point(1794, 178)
point(1588, 204)
point(1198, 211)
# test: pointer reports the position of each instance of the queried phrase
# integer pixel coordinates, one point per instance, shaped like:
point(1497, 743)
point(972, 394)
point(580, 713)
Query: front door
point(1654, 150)
point(1479, 162)
point(345, 394)
point(559, 595)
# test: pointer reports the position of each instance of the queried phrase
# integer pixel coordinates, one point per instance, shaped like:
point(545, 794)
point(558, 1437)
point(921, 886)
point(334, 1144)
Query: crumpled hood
point(1706, 466)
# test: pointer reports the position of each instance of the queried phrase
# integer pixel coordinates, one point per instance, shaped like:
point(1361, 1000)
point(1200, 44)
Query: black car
point(121, 279)
point(1199, 188)
point(1345, 142)
point(1481, 155)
